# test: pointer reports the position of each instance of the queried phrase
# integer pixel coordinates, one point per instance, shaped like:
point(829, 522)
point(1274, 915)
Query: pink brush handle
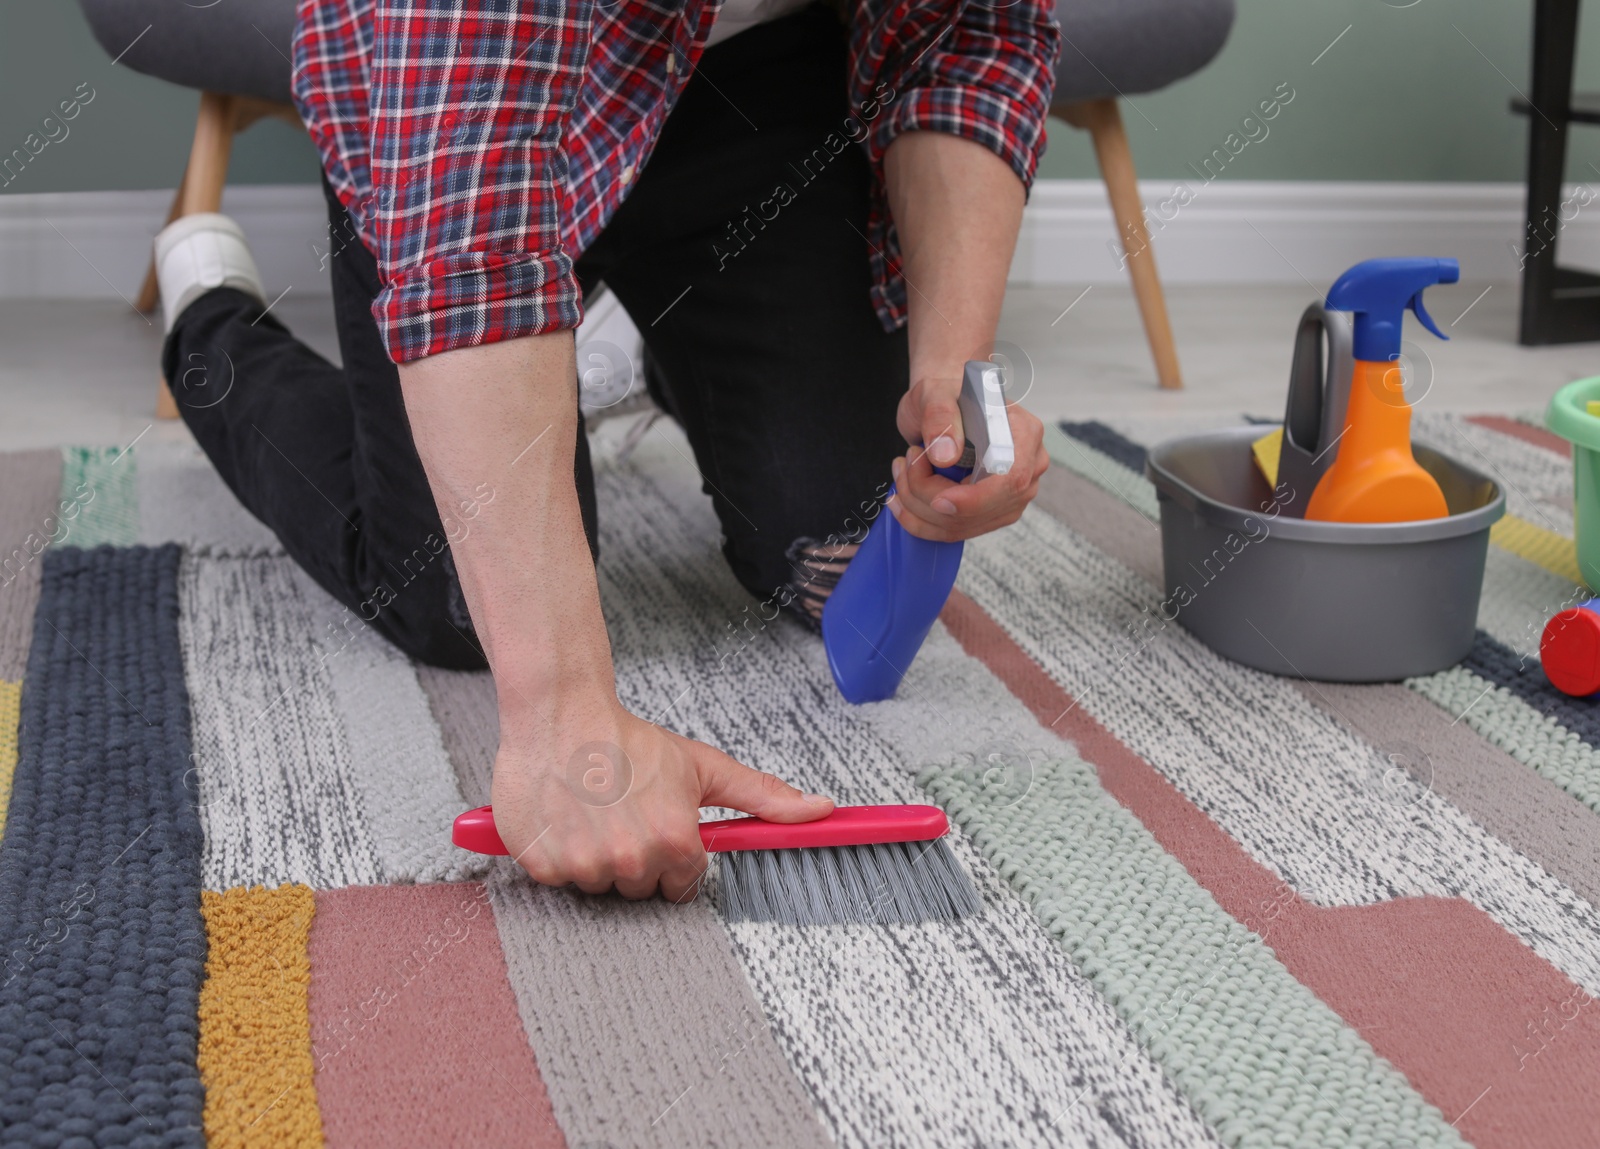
point(846, 826)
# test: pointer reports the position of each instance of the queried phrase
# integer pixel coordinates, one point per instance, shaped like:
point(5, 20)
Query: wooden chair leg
point(1103, 121)
point(201, 190)
point(150, 291)
point(209, 154)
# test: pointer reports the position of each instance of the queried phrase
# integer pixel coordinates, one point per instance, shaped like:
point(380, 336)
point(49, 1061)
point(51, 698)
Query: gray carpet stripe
point(103, 943)
point(30, 494)
point(397, 757)
point(463, 706)
point(182, 499)
point(1106, 521)
point(645, 1029)
point(279, 797)
point(1010, 1044)
point(1429, 751)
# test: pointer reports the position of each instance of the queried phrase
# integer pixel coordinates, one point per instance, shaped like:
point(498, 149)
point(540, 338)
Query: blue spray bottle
point(889, 596)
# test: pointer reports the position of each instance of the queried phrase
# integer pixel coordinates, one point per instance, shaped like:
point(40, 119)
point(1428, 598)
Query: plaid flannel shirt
point(481, 145)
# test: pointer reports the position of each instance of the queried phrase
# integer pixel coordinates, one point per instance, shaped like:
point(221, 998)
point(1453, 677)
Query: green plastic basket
point(1568, 416)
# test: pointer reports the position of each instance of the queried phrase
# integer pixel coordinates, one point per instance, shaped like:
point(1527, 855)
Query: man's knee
point(421, 610)
point(797, 579)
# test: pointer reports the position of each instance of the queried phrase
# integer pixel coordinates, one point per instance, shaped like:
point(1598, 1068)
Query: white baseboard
point(97, 244)
point(88, 245)
point(1285, 232)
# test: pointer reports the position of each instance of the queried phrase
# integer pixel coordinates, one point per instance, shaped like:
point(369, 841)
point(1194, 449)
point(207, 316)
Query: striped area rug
point(1220, 908)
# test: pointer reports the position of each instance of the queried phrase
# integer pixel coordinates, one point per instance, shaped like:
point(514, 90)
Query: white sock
point(200, 252)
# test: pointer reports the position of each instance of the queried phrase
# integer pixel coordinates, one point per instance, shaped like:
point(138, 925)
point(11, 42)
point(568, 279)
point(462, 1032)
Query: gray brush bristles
point(896, 882)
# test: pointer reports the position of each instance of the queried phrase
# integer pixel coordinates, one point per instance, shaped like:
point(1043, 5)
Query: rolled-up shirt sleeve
point(469, 101)
point(986, 77)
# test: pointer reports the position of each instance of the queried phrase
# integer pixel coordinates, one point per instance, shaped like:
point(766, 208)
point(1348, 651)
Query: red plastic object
point(846, 826)
point(1569, 649)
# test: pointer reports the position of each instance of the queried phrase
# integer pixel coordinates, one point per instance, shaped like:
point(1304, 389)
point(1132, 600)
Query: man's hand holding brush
point(621, 810)
point(584, 792)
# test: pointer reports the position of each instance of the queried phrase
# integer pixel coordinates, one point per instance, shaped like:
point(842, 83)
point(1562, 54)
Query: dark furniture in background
point(1559, 304)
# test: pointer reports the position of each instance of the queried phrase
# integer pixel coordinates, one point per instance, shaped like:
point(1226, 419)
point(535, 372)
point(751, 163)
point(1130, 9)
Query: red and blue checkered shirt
point(481, 145)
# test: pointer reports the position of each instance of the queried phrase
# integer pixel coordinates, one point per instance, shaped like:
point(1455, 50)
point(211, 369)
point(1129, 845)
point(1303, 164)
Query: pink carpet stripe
point(414, 1029)
point(1483, 1027)
point(1528, 433)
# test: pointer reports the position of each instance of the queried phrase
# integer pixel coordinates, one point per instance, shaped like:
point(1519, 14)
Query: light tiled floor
point(74, 371)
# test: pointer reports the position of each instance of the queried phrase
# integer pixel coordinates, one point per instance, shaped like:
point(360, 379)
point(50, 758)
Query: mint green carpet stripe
point(1101, 470)
point(1264, 1060)
point(1237, 742)
point(104, 480)
point(1535, 739)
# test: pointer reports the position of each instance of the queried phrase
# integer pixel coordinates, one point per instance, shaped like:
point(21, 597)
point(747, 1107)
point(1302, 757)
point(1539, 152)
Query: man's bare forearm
point(627, 817)
point(957, 208)
point(506, 414)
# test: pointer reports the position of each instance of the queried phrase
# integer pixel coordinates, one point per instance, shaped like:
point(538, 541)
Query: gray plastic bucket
point(1335, 602)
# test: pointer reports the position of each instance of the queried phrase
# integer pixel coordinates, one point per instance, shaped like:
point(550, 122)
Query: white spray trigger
point(983, 416)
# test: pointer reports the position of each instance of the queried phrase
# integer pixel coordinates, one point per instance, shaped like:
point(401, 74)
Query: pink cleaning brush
point(859, 864)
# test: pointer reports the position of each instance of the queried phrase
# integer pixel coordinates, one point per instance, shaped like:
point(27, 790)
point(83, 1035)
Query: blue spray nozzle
point(1379, 292)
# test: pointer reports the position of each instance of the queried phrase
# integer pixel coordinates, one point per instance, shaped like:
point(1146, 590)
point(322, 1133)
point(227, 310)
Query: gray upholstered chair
point(236, 52)
point(1113, 48)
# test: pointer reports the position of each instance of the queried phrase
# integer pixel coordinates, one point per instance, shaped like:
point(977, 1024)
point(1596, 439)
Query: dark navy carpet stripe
point(1107, 442)
point(1525, 678)
point(100, 868)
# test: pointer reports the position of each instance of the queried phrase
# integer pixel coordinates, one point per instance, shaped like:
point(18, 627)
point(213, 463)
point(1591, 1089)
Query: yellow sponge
point(1594, 406)
point(1267, 450)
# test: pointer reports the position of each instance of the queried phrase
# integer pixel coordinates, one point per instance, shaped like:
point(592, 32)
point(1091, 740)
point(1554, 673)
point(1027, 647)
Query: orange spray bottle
point(1374, 478)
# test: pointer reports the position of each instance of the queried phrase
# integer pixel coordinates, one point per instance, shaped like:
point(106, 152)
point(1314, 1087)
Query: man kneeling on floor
point(810, 216)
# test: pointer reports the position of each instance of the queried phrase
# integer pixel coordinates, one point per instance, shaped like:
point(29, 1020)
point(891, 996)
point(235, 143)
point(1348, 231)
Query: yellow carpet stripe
point(10, 714)
point(255, 1019)
point(1555, 553)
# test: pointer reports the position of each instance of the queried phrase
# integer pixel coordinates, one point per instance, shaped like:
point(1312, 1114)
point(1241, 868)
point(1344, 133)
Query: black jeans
point(754, 308)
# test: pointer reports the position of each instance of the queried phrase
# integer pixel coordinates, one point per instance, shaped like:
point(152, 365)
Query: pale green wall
point(1403, 96)
point(135, 133)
